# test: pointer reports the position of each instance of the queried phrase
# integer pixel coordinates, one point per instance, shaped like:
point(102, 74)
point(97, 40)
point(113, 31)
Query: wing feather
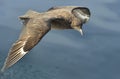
point(15, 53)
point(30, 36)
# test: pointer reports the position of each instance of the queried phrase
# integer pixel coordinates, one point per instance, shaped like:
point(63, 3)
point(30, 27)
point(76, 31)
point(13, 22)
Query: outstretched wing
point(31, 34)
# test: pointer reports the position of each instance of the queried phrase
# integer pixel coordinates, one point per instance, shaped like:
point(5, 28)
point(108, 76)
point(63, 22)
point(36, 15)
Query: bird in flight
point(36, 25)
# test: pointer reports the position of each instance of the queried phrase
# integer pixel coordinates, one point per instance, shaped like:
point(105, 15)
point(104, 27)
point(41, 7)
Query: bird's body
point(36, 25)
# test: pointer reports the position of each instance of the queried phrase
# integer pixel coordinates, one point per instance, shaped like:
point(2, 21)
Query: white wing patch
point(22, 51)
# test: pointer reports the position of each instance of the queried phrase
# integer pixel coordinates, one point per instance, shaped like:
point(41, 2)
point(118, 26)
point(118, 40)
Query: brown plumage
point(36, 25)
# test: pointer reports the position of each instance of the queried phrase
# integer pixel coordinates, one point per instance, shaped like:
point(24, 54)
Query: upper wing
point(31, 34)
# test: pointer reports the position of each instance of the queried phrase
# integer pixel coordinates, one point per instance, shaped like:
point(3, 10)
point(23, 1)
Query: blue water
point(96, 55)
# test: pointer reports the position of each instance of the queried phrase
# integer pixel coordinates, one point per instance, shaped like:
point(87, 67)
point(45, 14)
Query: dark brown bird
point(36, 25)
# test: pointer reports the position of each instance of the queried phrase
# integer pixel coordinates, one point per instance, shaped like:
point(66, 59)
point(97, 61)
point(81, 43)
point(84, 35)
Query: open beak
point(80, 30)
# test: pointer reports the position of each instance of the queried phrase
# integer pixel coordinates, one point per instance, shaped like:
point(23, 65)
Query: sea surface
point(64, 54)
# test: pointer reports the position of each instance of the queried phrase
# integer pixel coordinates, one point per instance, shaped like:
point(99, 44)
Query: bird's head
point(81, 16)
point(82, 13)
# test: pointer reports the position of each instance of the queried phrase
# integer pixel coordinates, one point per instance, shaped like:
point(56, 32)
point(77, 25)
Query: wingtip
point(1, 74)
point(2, 70)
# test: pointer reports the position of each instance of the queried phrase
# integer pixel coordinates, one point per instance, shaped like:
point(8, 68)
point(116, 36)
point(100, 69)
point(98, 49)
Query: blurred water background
point(65, 54)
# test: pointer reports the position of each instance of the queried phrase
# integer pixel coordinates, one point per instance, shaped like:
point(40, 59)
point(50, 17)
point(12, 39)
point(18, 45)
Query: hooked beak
point(80, 30)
